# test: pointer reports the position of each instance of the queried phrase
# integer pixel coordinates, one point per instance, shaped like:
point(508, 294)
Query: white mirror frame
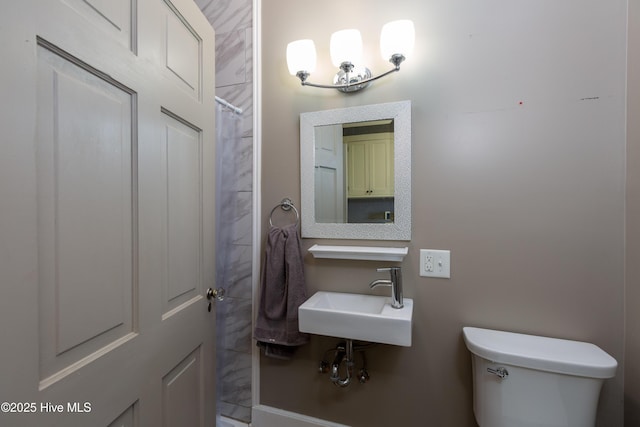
point(400, 229)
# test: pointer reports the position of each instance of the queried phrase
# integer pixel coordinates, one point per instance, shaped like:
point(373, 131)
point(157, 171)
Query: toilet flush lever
point(500, 372)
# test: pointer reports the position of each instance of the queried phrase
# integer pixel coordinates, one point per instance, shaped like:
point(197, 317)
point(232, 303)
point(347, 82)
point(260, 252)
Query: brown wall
point(632, 296)
point(518, 115)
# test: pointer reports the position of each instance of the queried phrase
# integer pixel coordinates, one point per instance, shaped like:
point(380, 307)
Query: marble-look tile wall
point(232, 22)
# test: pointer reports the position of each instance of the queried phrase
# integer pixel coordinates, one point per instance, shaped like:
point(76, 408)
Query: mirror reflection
point(354, 172)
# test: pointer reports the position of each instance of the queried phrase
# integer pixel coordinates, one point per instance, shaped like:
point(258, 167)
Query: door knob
point(215, 293)
point(218, 294)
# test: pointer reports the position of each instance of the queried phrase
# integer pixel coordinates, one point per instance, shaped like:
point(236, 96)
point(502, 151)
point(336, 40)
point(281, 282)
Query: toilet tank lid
point(542, 353)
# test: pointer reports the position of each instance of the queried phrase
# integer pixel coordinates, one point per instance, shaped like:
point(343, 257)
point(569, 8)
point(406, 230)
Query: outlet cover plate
point(435, 263)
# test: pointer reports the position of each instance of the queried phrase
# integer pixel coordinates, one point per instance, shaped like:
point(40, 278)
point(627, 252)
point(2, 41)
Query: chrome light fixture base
point(351, 78)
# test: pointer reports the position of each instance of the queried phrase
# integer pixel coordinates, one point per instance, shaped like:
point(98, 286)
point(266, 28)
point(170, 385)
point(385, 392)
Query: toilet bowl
point(531, 381)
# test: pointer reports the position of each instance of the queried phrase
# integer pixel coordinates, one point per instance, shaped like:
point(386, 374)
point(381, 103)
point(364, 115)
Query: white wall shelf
point(366, 253)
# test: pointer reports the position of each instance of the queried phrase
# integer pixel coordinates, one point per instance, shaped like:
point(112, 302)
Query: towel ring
point(286, 204)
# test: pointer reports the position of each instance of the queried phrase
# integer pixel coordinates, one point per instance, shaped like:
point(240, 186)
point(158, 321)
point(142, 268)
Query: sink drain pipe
point(344, 354)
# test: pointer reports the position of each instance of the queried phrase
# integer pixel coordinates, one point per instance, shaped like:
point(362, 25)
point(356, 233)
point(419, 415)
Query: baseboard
point(222, 421)
point(267, 416)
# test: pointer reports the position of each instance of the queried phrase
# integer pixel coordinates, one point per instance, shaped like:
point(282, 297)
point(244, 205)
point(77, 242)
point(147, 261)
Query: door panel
point(181, 392)
point(357, 169)
point(326, 185)
point(381, 171)
point(116, 18)
point(128, 418)
point(182, 53)
point(85, 187)
point(329, 174)
point(183, 148)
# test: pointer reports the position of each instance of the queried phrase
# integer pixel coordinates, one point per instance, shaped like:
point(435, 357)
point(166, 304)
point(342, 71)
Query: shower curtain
point(227, 140)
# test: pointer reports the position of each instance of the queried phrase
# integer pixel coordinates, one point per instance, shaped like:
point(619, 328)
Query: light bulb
point(301, 56)
point(346, 46)
point(397, 37)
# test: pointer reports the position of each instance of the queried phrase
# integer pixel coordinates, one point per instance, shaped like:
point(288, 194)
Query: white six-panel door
point(106, 214)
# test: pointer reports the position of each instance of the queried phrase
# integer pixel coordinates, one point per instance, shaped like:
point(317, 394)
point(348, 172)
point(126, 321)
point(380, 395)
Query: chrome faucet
point(395, 283)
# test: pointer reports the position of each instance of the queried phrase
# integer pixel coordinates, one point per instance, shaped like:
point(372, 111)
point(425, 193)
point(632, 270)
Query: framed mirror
point(355, 174)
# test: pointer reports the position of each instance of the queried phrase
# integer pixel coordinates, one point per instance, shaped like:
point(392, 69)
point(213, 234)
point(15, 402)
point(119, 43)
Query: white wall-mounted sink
point(355, 316)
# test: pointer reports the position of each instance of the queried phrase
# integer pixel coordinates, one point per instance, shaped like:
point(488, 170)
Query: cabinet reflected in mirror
point(356, 172)
point(354, 180)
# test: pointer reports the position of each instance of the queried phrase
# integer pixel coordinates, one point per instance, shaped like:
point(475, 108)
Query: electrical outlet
point(435, 263)
point(428, 263)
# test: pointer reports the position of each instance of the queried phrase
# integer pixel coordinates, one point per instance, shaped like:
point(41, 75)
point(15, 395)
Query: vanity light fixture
point(396, 41)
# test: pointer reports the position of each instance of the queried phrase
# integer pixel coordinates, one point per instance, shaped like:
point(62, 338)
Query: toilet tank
point(530, 381)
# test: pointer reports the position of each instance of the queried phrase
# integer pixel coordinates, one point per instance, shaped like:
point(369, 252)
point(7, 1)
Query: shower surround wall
point(232, 21)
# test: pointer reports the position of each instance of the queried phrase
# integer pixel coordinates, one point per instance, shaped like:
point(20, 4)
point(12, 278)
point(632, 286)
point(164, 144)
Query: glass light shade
point(397, 37)
point(301, 56)
point(346, 46)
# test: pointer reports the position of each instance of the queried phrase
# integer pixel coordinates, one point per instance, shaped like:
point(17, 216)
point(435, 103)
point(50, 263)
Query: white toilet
point(530, 381)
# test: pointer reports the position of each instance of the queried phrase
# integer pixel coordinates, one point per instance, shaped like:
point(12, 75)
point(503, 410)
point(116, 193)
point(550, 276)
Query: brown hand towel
point(282, 290)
